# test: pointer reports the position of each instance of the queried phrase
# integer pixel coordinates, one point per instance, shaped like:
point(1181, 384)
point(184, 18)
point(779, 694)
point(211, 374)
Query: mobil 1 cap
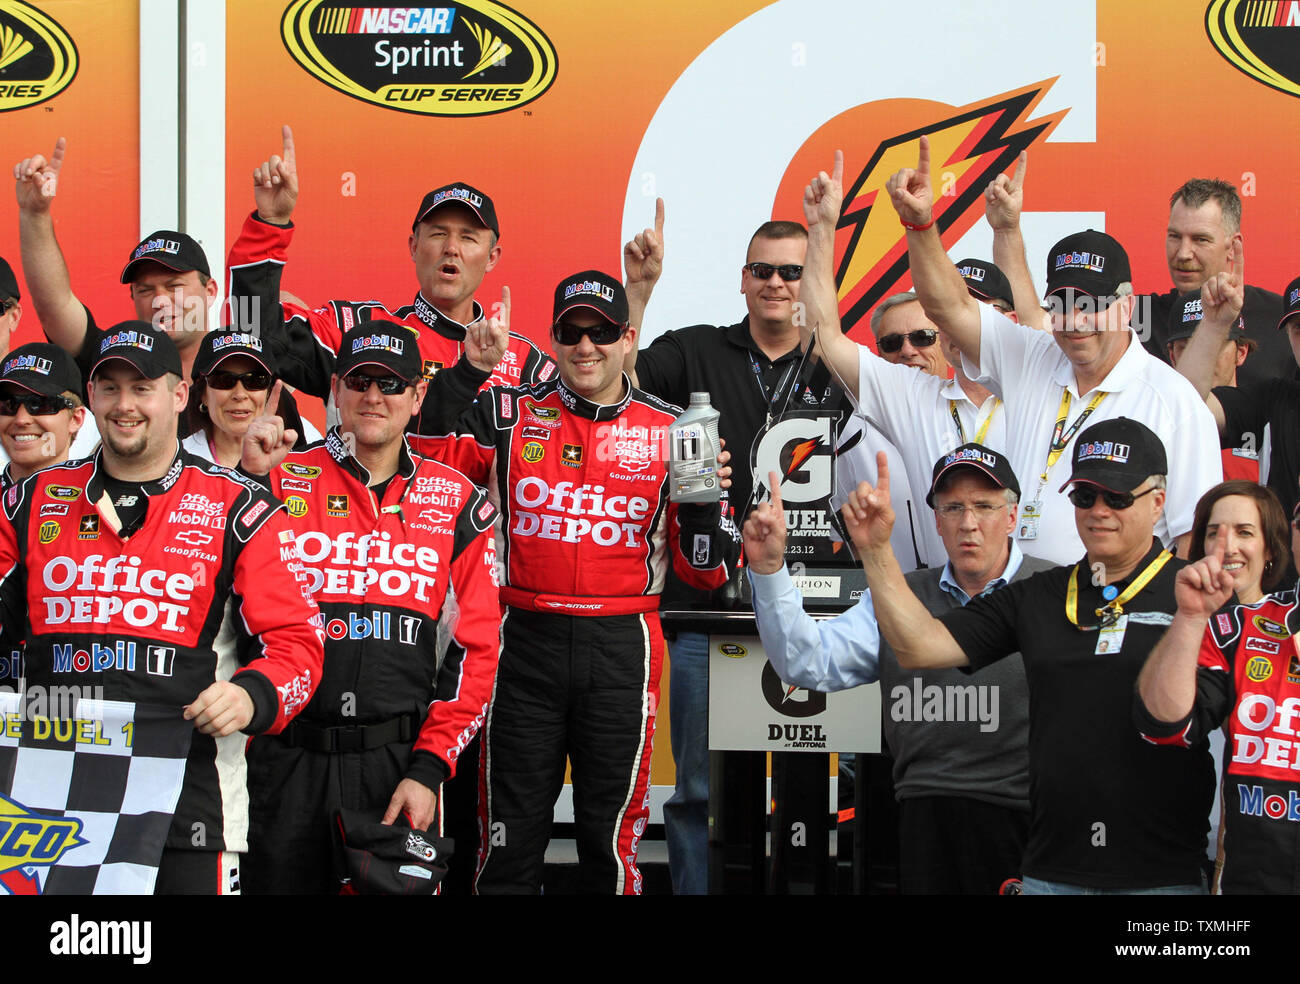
point(1088, 262)
point(140, 344)
point(976, 456)
point(459, 193)
point(594, 290)
point(1290, 302)
point(384, 344)
point(217, 346)
point(41, 368)
point(1186, 314)
point(985, 281)
point(174, 250)
point(1118, 454)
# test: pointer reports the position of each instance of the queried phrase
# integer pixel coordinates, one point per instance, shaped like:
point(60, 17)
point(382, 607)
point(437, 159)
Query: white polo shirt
point(914, 411)
point(1031, 372)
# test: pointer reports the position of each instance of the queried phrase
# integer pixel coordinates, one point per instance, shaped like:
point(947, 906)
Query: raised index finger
point(273, 401)
point(1022, 163)
point(837, 171)
point(882, 471)
point(56, 157)
point(774, 486)
point(286, 134)
point(923, 158)
point(659, 218)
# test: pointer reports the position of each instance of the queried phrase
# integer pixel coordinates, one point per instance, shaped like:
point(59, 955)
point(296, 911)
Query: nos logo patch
point(471, 58)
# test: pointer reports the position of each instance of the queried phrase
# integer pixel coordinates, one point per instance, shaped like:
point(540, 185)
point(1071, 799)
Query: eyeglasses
point(764, 271)
point(6, 304)
point(388, 385)
point(37, 404)
point(921, 338)
point(1085, 497)
point(982, 510)
point(220, 379)
point(605, 333)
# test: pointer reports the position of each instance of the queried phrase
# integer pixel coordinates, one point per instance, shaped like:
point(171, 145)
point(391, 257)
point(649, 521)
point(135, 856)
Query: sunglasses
point(37, 404)
point(764, 271)
point(605, 333)
point(388, 385)
point(921, 338)
point(220, 379)
point(1085, 497)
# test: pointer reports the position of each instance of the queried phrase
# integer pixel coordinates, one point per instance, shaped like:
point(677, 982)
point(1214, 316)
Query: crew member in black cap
point(11, 308)
point(1110, 812)
point(1242, 413)
point(170, 283)
point(453, 244)
point(961, 776)
point(42, 416)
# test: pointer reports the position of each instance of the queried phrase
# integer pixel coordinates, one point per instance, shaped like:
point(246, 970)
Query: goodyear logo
point(38, 59)
point(473, 59)
point(33, 838)
point(1253, 36)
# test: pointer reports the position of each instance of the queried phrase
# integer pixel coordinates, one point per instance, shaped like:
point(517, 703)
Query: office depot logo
point(474, 58)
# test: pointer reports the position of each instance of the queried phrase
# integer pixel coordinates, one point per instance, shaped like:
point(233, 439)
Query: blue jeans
point(686, 814)
point(1036, 886)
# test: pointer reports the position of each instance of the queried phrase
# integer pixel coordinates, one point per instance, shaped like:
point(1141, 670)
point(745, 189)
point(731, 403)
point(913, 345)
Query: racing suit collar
point(95, 486)
point(338, 450)
point(439, 322)
point(595, 411)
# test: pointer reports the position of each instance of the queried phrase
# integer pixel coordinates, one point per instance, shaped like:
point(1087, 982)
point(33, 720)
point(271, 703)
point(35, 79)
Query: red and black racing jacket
point(205, 587)
point(586, 519)
point(1248, 679)
point(385, 573)
point(305, 342)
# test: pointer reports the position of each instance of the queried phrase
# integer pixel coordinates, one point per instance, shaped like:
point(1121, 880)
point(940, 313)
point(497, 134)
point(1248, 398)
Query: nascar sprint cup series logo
point(472, 59)
point(1258, 37)
point(38, 59)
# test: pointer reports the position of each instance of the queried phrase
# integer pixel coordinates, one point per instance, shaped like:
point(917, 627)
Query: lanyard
point(1109, 612)
point(984, 428)
point(775, 397)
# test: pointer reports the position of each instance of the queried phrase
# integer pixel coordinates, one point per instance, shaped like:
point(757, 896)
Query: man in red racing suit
point(164, 579)
point(587, 527)
point(453, 244)
point(392, 544)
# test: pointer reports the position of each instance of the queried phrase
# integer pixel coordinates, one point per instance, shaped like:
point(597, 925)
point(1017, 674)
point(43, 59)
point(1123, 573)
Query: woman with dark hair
point(233, 375)
point(1233, 661)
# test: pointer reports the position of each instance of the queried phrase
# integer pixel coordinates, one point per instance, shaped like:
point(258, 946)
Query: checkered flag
point(86, 799)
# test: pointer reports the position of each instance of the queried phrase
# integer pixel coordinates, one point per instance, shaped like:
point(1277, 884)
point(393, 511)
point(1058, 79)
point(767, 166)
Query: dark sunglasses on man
point(1085, 497)
point(37, 404)
point(254, 381)
point(764, 271)
point(359, 382)
point(605, 333)
point(921, 338)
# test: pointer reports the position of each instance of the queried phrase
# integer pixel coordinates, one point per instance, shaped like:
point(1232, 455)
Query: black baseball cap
point(985, 281)
point(977, 456)
point(594, 290)
point(142, 345)
point(1185, 314)
point(217, 346)
point(41, 368)
point(381, 343)
point(1088, 262)
point(8, 282)
point(389, 859)
point(171, 249)
point(1118, 454)
point(1290, 301)
point(459, 193)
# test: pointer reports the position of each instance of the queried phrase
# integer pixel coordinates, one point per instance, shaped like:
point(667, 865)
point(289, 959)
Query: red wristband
point(917, 228)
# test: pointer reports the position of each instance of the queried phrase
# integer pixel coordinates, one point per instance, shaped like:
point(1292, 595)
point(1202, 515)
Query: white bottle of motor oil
point(693, 448)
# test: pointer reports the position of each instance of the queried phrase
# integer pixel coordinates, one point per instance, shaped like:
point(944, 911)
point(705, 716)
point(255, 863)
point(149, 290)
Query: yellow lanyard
point(1060, 436)
point(1109, 612)
point(984, 428)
